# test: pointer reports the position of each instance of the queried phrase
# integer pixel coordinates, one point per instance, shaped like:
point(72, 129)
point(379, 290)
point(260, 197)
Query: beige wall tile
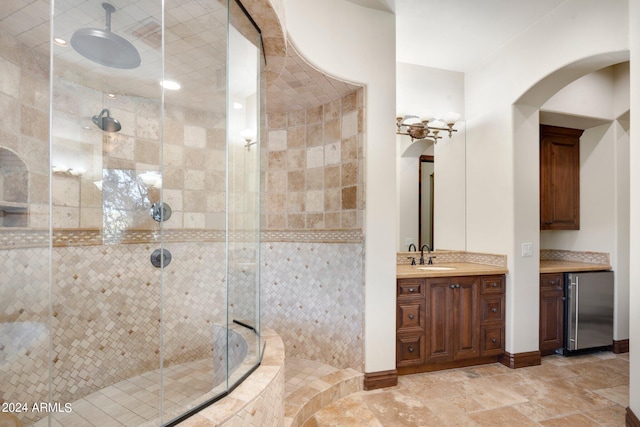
point(315, 135)
point(296, 118)
point(277, 120)
point(314, 115)
point(296, 180)
point(315, 157)
point(277, 140)
point(296, 137)
point(195, 136)
point(314, 179)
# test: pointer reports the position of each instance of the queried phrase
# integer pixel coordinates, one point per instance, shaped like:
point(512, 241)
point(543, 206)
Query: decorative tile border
point(38, 238)
point(442, 257)
point(562, 255)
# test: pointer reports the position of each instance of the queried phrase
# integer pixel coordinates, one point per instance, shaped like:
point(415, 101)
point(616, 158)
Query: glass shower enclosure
point(129, 209)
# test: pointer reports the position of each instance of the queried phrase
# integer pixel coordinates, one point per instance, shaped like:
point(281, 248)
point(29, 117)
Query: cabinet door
point(559, 178)
point(439, 330)
point(466, 318)
point(551, 313)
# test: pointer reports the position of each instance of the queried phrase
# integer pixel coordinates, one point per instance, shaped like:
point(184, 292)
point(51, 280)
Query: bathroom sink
point(435, 268)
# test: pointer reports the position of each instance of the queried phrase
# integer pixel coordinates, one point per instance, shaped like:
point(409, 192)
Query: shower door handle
point(160, 258)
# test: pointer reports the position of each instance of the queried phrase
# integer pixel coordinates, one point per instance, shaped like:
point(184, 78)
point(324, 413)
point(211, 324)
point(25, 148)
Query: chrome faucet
point(428, 254)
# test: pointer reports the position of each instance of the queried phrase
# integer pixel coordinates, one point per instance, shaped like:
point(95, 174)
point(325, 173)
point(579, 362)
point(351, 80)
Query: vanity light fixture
point(426, 127)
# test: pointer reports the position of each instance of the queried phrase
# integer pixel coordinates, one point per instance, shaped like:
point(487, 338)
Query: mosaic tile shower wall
point(313, 298)
point(102, 296)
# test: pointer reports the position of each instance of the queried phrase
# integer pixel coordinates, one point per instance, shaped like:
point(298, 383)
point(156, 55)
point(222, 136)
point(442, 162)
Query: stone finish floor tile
point(586, 390)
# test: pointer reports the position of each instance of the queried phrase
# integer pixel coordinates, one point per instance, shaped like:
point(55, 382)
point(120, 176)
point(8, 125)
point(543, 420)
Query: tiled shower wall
point(313, 204)
point(313, 161)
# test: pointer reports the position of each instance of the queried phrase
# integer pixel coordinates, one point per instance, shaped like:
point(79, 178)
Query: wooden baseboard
point(621, 346)
point(521, 360)
point(381, 379)
point(631, 420)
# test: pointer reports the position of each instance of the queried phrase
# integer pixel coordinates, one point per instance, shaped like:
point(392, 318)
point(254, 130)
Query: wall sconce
point(65, 171)
point(425, 127)
point(151, 179)
point(250, 137)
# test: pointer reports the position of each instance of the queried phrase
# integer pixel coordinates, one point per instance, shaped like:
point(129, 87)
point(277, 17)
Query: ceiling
point(195, 52)
point(457, 34)
point(447, 34)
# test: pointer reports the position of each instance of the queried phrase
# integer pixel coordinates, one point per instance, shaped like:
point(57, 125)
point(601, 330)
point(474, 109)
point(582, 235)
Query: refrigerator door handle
point(577, 309)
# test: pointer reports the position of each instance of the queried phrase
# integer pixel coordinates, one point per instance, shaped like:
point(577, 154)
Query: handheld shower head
point(106, 123)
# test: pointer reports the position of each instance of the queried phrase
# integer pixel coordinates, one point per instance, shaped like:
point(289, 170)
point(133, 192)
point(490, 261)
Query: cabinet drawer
point(492, 341)
point(410, 316)
point(410, 288)
point(492, 285)
point(410, 350)
point(492, 310)
point(551, 280)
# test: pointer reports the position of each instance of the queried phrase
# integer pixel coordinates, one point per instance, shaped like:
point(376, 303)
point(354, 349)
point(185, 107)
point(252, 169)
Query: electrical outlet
point(527, 249)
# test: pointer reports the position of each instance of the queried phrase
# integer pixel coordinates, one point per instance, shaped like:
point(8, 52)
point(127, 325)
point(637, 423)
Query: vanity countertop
point(449, 269)
point(547, 266)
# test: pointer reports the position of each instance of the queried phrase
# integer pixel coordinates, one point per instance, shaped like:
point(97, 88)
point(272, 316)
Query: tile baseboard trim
point(621, 346)
point(631, 420)
point(521, 360)
point(380, 379)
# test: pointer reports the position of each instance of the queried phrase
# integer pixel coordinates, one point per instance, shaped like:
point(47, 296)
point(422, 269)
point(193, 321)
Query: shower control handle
point(160, 212)
point(160, 258)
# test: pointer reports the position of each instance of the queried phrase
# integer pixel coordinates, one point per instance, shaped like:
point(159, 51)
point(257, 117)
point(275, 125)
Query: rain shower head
point(106, 123)
point(104, 47)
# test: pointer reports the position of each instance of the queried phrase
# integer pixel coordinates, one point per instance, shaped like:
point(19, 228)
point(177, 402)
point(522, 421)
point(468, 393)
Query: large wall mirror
point(432, 192)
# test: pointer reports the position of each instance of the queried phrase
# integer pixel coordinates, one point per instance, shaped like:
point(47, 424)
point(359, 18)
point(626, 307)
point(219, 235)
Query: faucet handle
point(430, 262)
point(413, 260)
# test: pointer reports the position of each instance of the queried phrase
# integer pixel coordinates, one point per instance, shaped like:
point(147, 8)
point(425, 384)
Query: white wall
point(576, 38)
point(634, 234)
point(423, 89)
point(357, 44)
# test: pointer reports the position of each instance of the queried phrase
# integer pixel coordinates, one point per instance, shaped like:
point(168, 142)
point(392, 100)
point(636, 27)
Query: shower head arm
point(109, 9)
point(99, 116)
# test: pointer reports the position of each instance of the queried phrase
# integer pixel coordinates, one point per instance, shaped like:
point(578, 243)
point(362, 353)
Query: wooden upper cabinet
point(559, 178)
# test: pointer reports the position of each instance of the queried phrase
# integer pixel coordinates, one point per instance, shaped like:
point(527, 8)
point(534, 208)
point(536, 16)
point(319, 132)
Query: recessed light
point(111, 95)
point(60, 41)
point(170, 84)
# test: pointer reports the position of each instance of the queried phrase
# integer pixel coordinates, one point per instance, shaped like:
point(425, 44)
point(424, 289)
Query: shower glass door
point(107, 297)
point(154, 302)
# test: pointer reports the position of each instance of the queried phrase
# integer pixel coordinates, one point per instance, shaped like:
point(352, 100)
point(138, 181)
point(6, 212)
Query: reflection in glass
point(125, 203)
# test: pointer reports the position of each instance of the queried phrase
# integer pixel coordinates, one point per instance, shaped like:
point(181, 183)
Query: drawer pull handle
point(495, 310)
point(493, 340)
point(412, 290)
point(552, 282)
point(495, 285)
point(411, 316)
point(452, 286)
point(410, 349)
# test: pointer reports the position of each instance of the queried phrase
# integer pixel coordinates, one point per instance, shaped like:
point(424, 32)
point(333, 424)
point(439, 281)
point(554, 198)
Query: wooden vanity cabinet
point(449, 322)
point(551, 312)
point(559, 178)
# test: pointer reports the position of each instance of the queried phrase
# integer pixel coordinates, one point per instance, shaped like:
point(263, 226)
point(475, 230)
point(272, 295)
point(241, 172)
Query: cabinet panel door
point(551, 320)
point(439, 316)
point(466, 318)
point(559, 178)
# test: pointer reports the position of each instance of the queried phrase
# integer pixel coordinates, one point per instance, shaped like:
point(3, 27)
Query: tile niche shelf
point(13, 214)
point(14, 190)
